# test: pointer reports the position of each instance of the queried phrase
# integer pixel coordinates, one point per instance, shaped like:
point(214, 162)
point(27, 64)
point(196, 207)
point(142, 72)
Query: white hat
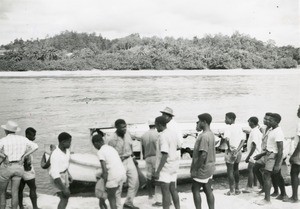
point(11, 126)
point(151, 122)
point(168, 111)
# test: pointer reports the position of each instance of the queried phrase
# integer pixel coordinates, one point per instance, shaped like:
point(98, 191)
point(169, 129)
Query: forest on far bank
point(82, 51)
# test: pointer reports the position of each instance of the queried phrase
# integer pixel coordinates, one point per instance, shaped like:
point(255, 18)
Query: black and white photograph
point(141, 104)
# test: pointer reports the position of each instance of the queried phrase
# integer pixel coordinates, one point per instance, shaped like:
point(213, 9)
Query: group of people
point(161, 150)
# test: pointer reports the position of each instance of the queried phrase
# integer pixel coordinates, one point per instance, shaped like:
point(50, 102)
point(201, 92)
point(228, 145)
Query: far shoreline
point(146, 73)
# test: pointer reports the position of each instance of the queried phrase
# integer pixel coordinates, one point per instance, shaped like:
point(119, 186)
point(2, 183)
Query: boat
point(83, 166)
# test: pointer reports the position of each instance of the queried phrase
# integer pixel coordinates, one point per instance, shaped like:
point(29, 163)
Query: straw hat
point(168, 111)
point(11, 126)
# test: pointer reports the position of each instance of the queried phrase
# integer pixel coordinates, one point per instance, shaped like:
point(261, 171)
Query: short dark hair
point(97, 138)
point(30, 130)
point(205, 117)
point(119, 122)
point(276, 117)
point(161, 120)
point(64, 136)
point(268, 114)
point(254, 120)
point(231, 115)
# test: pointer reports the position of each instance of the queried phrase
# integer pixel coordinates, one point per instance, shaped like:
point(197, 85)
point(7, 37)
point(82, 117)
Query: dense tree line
point(82, 51)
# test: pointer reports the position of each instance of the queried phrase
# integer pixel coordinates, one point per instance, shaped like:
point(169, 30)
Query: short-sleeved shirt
point(275, 135)
point(173, 125)
point(148, 141)
point(60, 162)
point(122, 145)
point(168, 142)
point(113, 162)
point(206, 143)
point(235, 135)
point(15, 146)
point(256, 137)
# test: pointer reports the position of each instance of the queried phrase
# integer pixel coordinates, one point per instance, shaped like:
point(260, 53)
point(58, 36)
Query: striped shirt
point(15, 146)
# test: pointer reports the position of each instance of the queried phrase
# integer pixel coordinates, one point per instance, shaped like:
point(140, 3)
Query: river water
point(53, 104)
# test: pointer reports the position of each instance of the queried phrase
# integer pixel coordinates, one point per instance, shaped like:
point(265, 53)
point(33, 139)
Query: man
point(168, 163)
point(295, 165)
point(148, 141)
point(113, 171)
point(235, 139)
point(273, 159)
point(203, 163)
point(253, 148)
point(29, 174)
point(14, 149)
point(168, 114)
point(59, 174)
point(122, 142)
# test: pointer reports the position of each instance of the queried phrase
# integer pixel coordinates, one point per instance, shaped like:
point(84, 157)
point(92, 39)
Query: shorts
point(64, 179)
point(100, 189)
point(28, 175)
point(11, 171)
point(115, 182)
point(150, 167)
point(203, 181)
point(166, 177)
point(231, 158)
point(269, 162)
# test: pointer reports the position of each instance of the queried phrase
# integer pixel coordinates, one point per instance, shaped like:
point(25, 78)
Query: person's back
point(148, 141)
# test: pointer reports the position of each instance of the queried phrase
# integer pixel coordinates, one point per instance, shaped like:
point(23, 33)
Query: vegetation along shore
point(82, 51)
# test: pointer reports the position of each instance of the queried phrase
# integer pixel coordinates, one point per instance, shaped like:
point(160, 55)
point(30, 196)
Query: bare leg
point(21, 188)
point(111, 195)
point(196, 194)
point(174, 194)
point(295, 180)
point(165, 191)
point(32, 194)
point(209, 195)
point(230, 176)
point(15, 182)
point(236, 177)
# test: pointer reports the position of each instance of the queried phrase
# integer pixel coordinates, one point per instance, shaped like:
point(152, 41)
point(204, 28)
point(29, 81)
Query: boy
point(235, 139)
point(60, 177)
point(29, 174)
point(253, 148)
point(113, 171)
point(168, 163)
point(203, 164)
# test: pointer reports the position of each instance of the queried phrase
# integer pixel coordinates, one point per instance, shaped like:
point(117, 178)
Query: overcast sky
point(278, 20)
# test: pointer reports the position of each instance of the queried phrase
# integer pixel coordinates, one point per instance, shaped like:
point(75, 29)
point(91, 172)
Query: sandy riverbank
point(245, 201)
point(137, 73)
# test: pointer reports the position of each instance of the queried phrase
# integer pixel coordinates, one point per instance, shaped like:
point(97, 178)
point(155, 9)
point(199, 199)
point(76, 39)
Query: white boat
point(83, 167)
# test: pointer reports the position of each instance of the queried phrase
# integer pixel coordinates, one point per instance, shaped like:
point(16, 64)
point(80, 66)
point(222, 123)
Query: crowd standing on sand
point(161, 150)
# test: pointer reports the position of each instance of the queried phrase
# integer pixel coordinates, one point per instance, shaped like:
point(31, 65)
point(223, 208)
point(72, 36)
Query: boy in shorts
point(113, 171)
point(235, 139)
point(168, 163)
point(203, 164)
point(60, 177)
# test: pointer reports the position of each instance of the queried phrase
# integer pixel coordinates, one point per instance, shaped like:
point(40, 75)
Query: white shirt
point(173, 125)
point(15, 146)
point(256, 137)
point(234, 133)
point(275, 135)
point(59, 161)
point(168, 142)
point(113, 162)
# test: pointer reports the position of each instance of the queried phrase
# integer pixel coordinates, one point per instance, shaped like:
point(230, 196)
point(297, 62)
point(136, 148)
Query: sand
point(245, 201)
point(137, 73)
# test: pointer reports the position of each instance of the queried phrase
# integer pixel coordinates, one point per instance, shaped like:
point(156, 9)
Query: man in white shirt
point(253, 148)
point(14, 149)
point(167, 163)
point(235, 139)
point(113, 171)
point(273, 159)
point(60, 177)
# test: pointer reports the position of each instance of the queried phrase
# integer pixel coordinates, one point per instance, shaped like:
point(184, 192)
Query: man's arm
point(253, 147)
point(240, 145)
point(161, 164)
point(296, 151)
point(278, 156)
point(104, 171)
